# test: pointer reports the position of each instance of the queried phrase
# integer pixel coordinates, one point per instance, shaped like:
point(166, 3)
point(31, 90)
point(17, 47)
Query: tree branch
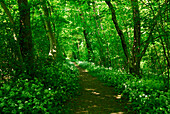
point(120, 33)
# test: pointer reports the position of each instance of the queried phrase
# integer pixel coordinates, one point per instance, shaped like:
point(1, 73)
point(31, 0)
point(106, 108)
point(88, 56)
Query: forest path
point(95, 98)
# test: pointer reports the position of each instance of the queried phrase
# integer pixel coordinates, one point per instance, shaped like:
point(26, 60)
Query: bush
point(84, 64)
point(46, 93)
point(116, 80)
point(147, 96)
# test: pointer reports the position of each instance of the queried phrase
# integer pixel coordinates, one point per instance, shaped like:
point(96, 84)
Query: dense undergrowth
point(52, 86)
point(146, 95)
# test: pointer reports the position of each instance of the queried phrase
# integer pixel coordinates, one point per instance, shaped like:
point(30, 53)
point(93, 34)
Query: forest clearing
point(84, 56)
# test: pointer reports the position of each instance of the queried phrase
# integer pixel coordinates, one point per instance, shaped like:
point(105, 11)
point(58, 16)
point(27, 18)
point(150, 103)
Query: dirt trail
point(95, 98)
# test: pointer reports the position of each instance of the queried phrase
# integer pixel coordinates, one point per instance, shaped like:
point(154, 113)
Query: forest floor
point(95, 97)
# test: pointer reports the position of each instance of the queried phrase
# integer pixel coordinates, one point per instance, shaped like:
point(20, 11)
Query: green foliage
point(84, 64)
point(147, 96)
point(116, 80)
point(46, 93)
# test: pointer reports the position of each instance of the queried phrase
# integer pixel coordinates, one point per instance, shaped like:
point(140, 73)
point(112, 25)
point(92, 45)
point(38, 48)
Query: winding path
point(95, 98)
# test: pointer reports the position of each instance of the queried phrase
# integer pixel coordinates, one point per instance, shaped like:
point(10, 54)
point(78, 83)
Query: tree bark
point(101, 48)
point(17, 50)
point(88, 44)
point(25, 34)
point(120, 32)
point(53, 44)
point(135, 67)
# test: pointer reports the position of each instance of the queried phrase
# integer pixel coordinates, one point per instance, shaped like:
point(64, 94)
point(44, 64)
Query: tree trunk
point(17, 50)
point(101, 52)
point(166, 46)
point(135, 67)
point(120, 33)
point(88, 44)
point(26, 35)
point(134, 59)
point(53, 45)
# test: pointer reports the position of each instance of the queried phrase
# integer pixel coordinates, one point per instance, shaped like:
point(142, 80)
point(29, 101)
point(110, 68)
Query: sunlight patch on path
point(88, 89)
point(96, 93)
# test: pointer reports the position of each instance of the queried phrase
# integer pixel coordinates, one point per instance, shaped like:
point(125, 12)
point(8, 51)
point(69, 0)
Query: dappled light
point(89, 89)
point(95, 93)
point(118, 96)
point(84, 70)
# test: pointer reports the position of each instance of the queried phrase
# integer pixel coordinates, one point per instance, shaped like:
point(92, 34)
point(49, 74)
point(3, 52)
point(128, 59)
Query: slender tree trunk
point(166, 45)
point(135, 67)
point(26, 35)
point(51, 13)
point(17, 50)
point(168, 65)
point(101, 48)
point(120, 32)
point(88, 44)
point(53, 45)
point(77, 47)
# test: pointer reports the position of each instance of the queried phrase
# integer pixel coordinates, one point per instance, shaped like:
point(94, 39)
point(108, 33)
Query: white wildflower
point(110, 68)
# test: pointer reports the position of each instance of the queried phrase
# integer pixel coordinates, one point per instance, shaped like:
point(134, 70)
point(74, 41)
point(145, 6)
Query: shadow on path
point(95, 98)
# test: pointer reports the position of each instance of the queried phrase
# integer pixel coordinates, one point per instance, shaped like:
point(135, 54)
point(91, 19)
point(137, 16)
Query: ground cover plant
point(146, 95)
point(46, 93)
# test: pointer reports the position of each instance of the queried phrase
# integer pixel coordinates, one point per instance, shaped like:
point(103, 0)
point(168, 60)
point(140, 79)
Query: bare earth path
point(95, 98)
